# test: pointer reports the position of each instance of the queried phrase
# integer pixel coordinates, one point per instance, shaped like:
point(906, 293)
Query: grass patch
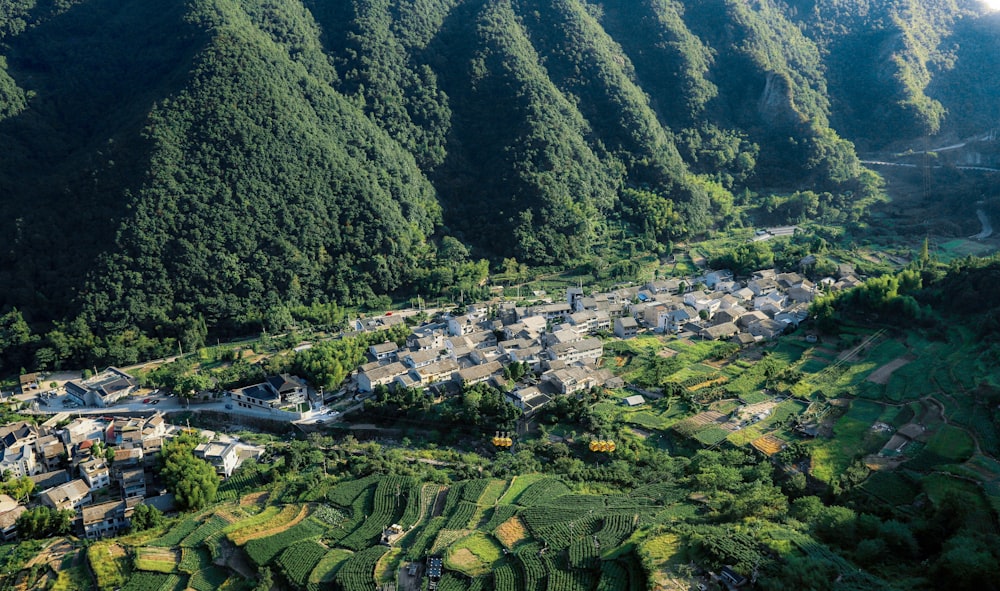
point(474, 555)
point(517, 486)
point(323, 573)
point(892, 487)
point(109, 564)
point(951, 443)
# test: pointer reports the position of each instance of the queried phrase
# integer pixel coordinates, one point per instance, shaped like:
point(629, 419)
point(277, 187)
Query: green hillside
point(208, 166)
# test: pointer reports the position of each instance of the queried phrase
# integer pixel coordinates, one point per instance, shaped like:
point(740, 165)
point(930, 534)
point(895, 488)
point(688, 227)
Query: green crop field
point(852, 433)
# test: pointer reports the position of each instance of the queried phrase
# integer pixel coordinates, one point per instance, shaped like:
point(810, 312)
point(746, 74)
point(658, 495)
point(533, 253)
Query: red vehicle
point(145, 401)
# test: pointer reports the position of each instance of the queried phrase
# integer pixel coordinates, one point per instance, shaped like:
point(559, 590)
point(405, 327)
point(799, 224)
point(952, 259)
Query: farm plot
point(271, 520)
point(323, 573)
point(143, 581)
point(387, 507)
point(357, 573)
point(264, 550)
point(542, 491)
point(769, 444)
point(447, 537)
point(512, 532)
point(208, 579)
point(212, 525)
point(884, 373)
point(853, 437)
point(688, 427)
point(299, 560)
point(161, 560)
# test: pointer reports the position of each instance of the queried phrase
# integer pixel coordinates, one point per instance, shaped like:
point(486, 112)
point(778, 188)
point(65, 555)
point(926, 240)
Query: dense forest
point(202, 167)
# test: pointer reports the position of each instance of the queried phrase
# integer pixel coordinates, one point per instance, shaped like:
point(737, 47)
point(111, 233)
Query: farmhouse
point(635, 400)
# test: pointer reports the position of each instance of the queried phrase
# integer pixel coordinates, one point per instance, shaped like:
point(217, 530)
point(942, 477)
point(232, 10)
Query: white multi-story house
point(95, 473)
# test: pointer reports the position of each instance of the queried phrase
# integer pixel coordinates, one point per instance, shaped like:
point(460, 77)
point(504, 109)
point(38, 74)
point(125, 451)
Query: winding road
point(987, 230)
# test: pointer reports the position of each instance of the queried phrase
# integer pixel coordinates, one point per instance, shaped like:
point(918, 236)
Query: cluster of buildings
point(559, 340)
point(717, 307)
point(99, 467)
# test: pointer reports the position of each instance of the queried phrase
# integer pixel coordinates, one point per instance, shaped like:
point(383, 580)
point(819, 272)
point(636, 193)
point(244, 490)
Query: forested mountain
point(182, 167)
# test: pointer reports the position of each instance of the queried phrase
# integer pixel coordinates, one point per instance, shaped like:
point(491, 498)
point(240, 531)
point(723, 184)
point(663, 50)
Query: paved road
point(904, 165)
point(987, 230)
point(166, 404)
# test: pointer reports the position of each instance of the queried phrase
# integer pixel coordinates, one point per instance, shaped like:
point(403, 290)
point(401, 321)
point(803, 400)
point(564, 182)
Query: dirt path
point(882, 374)
point(439, 502)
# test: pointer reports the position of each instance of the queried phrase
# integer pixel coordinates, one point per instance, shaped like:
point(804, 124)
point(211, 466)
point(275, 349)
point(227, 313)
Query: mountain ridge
point(210, 163)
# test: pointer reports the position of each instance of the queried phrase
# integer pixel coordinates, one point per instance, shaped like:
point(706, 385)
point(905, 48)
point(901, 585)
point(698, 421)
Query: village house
point(95, 473)
point(126, 459)
point(10, 510)
point(667, 286)
point(771, 304)
point(377, 323)
point(726, 330)
point(749, 318)
point(586, 350)
point(673, 321)
point(72, 495)
point(465, 324)
point(102, 390)
point(19, 459)
point(528, 399)
point(380, 376)
point(435, 372)
point(531, 355)
point(107, 519)
point(549, 311)
point(381, 351)
point(477, 373)
point(82, 429)
point(223, 456)
point(415, 359)
point(626, 327)
point(274, 392)
point(762, 287)
point(568, 380)
point(531, 327)
point(50, 452)
point(729, 315)
point(702, 302)
point(727, 287)
point(713, 278)
point(28, 382)
point(17, 433)
point(46, 480)
point(767, 329)
point(132, 483)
